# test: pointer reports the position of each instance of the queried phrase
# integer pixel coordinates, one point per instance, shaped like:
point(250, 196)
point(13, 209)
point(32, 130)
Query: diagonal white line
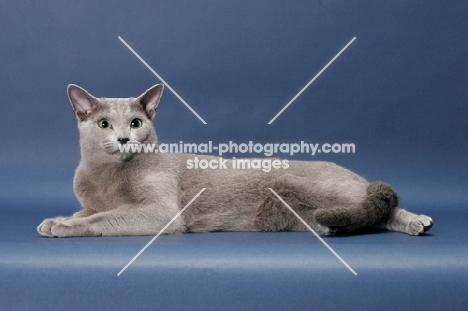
point(315, 233)
point(311, 81)
point(160, 232)
point(162, 80)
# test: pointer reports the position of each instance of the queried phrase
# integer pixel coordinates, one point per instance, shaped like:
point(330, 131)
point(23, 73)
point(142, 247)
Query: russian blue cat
point(124, 193)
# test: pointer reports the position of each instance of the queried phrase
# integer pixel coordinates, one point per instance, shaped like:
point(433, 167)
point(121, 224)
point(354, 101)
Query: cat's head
point(108, 124)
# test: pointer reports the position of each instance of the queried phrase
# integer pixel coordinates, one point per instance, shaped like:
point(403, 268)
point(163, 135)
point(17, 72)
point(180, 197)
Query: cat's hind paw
point(419, 224)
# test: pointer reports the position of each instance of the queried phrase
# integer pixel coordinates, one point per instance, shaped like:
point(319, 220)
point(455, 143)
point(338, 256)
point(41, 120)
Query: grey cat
point(139, 193)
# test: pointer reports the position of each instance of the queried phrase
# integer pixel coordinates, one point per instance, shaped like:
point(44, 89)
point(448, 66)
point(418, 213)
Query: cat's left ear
point(149, 100)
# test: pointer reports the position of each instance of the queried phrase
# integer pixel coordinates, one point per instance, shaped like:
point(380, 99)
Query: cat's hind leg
point(306, 197)
point(403, 221)
point(273, 215)
point(380, 202)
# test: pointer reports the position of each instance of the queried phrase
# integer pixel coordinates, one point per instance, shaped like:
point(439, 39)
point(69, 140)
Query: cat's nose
point(123, 141)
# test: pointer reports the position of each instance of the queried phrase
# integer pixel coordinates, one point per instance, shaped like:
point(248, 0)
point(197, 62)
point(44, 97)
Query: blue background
point(399, 92)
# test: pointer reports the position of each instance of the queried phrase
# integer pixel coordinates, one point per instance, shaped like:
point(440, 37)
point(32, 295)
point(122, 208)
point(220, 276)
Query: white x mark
point(162, 80)
point(311, 81)
point(200, 118)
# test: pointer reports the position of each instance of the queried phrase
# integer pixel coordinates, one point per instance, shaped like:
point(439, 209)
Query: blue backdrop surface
point(398, 92)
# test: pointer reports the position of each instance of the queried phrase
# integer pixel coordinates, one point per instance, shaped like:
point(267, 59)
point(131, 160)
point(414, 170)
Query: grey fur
point(139, 193)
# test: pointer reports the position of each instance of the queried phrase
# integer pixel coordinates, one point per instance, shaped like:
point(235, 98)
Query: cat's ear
point(149, 100)
point(82, 102)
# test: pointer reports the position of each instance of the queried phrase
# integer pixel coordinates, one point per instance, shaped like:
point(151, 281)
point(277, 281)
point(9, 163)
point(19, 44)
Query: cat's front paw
point(419, 224)
point(45, 228)
point(63, 229)
point(327, 230)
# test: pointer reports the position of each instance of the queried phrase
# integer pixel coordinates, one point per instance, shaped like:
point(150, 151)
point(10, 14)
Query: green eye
point(104, 124)
point(136, 123)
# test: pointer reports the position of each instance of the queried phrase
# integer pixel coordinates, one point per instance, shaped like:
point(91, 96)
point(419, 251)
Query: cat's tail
point(380, 201)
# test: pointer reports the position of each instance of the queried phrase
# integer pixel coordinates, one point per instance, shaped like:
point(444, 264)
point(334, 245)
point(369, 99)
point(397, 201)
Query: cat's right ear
point(82, 102)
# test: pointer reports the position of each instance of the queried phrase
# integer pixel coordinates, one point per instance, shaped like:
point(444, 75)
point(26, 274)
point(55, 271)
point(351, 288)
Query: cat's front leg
point(119, 222)
point(45, 227)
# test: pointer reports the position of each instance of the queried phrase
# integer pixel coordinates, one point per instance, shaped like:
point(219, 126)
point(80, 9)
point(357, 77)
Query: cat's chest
point(102, 191)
